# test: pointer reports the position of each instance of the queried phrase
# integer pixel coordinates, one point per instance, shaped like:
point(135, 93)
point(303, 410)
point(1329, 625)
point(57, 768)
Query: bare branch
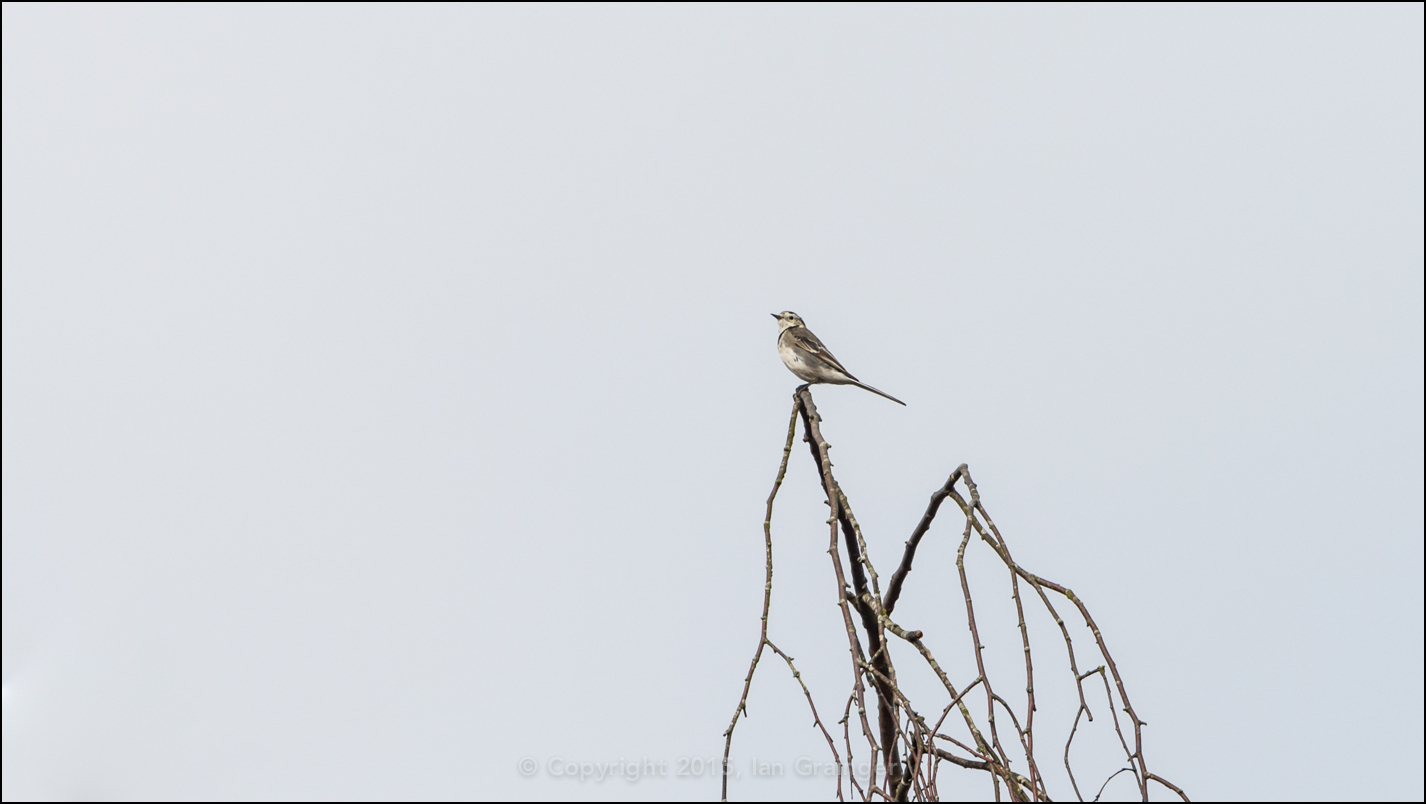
point(767, 600)
point(902, 742)
point(898, 578)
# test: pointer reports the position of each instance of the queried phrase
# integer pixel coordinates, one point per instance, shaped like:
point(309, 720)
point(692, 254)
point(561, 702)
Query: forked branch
point(905, 753)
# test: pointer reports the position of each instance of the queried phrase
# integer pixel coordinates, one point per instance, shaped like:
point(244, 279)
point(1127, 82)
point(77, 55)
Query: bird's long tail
point(879, 393)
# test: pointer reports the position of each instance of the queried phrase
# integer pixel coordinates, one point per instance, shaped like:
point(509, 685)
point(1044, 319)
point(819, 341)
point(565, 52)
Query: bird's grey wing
point(802, 338)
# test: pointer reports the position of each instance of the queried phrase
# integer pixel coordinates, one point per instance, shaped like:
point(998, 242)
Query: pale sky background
point(390, 393)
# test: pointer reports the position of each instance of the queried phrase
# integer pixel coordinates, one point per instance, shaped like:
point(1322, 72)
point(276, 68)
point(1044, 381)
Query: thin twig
point(767, 599)
point(1110, 779)
point(816, 721)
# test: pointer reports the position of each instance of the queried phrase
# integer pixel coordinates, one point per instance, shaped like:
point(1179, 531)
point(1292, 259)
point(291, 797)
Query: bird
point(805, 356)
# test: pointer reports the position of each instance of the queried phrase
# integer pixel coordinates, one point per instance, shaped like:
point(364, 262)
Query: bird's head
point(787, 320)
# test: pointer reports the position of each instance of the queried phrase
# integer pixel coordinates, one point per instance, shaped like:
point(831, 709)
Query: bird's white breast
point(806, 367)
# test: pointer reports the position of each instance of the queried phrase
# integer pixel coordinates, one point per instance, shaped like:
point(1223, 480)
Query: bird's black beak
point(774, 315)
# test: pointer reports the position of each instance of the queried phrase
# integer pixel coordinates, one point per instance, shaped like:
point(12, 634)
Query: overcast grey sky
point(390, 393)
